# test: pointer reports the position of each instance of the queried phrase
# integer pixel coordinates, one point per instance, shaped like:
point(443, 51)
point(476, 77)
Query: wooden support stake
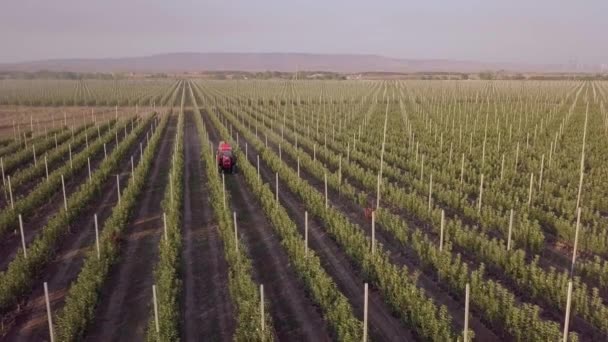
point(236, 232)
point(430, 192)
point(132, 167)
point(89, 165)
point(71, 161)
point(462, 170)
point(277, 187)
point(373, 232)
point(34, 153)
point(510, 230)
point(378, 183)
point(2, 167)
point(480, 195)
point(97, 237)
point(540, 176)
point(502, 167)
point(530, 191)
point(326, 197)
point(46, 167)
point(48, 312)
point(298, 166)
point(578, 225)
point(441, 232)
point(466, 313)
point(224, 189)
point(365, 309)
point(156, 323)
point(306, 233)
point(567, 319)
point(22, 236)
point(258, 157)
point(65, 199)
point(165, 230)
point(118, 187)
point(262, 320)
point(10, 192)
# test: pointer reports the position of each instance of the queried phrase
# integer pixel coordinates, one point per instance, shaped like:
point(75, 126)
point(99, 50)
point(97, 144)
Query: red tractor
point(226, 160)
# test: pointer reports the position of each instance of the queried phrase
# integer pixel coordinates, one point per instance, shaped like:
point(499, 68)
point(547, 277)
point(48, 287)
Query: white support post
point(65, 198)
point(105, 151)
point(22, 236)
point(165, 230)
point(259, 167)
point(540, 176)
point(224, 189)
point(480, 195)
point(306, 233)
point(277, 188)
point(340, 171)
point(118, 187)
point(530, 191)
point(578, 225)
point(89, 165)
point(298, 166)
point(567, 319)
point(2, 167)
point(48, 312)
point(34, 153)
point(46, 167)
point(430, 192)
point(365, 310)
point(262, 320)
point(326, 197)
point(236, 232)
point(71, 162)
point(247, 151)
point(510, 230)
point(502, 167)
point(466, 313)
point(156, 323)
point(373, 232)
point(441, 232)
point(10, 192)
point(378, 190)
point(462, 170)
point(132, 167)
point(141, 151)
point(97, 237)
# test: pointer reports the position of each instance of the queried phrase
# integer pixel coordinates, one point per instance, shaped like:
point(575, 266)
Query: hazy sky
point(537, 31)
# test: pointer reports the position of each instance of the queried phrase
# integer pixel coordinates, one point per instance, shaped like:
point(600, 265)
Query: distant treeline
point(304, 75)
point(68, 75)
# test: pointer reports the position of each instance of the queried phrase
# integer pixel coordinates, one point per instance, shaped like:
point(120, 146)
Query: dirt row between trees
point(33, 224)
point(207, 311)
point(295, 317)
point(383, 324)
point(126, 297)
point(30, 321)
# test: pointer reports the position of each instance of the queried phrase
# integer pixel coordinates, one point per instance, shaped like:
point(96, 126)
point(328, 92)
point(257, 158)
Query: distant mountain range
point(283, 62)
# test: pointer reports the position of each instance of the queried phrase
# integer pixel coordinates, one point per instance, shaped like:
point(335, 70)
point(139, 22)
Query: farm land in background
point(389, 209)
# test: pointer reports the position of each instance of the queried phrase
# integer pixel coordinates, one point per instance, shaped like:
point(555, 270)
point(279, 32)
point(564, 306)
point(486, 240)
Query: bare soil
point(384, 325)
point(207, 311)
point(32, 224)
point(29, 323)
point(295, 317)
point(126, 298)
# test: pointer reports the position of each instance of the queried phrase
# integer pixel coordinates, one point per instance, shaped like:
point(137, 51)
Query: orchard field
point(360, 210)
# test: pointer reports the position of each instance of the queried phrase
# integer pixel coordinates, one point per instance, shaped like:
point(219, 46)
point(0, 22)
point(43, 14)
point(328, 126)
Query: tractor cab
point(226, 160)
